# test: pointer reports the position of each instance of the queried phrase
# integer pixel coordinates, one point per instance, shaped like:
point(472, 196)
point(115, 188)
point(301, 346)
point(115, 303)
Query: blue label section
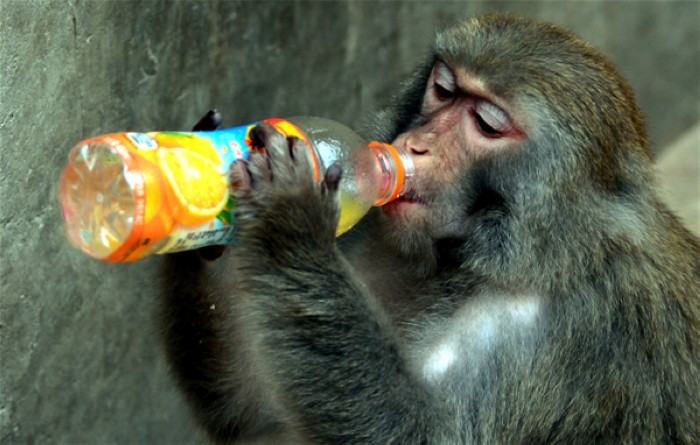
point(230, 143)
point(142, 141)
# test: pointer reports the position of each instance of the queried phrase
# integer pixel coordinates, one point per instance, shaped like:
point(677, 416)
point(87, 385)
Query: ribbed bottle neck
point(396, 166)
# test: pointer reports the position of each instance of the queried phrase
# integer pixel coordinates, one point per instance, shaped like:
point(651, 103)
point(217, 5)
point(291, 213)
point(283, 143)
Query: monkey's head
point(519, 130)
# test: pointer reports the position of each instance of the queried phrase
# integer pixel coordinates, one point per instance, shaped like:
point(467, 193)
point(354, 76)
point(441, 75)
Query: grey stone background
point(80, 357)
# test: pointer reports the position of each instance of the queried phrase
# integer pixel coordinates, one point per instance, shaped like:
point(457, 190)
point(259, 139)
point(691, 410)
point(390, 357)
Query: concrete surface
point(679, 170)
point(80, 359)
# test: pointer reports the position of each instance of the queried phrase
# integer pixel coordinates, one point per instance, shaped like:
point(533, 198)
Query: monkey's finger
point(209, 121)
point(331, 180)
point(267, 139)
point(280, 157)
point(258, 169)
point(262, 135)
point(240, 177)
point(302, 158)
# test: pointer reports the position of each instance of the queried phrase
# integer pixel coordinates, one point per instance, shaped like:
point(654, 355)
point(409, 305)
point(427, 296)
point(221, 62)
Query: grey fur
point(565, 310)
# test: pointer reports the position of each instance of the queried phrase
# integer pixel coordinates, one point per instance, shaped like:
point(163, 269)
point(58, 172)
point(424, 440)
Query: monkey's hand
point(279, 206)
point(209, 121)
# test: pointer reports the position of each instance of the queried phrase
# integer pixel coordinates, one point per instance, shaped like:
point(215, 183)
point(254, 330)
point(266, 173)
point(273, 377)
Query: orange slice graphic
point(198, 191)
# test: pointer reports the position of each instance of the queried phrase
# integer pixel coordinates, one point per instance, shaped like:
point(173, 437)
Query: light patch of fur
point(475, 330)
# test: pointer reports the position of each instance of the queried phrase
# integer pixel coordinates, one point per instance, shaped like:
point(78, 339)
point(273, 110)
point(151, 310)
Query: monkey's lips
point(410, 197)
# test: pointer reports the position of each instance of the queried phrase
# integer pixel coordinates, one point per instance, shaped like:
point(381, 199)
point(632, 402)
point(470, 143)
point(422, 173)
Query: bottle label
point(187, 196)
point(179, 182)
point(155, 192)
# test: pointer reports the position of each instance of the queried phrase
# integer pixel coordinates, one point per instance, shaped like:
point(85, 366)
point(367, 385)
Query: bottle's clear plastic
point(128, 195)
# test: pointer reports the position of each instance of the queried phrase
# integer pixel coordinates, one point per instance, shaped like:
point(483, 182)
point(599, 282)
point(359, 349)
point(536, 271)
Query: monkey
point(528, 287)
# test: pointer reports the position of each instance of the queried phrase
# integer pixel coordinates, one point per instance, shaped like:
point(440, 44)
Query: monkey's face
point(461, 125)
point(510, 123)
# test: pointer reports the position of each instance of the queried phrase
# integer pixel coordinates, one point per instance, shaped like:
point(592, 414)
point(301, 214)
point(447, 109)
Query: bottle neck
point(396, 166)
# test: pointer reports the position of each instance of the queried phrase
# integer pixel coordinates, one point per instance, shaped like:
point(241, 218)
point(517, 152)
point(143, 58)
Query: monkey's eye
point(443, 93)
point(490, 119)
point(444, 85)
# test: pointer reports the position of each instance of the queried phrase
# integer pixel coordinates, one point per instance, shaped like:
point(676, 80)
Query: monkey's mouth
point(410, 197)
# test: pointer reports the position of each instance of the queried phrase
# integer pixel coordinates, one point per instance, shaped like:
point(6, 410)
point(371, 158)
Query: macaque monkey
point(530, 287)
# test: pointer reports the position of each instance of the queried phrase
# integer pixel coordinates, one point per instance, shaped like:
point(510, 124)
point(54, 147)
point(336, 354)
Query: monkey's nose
point(418, 143)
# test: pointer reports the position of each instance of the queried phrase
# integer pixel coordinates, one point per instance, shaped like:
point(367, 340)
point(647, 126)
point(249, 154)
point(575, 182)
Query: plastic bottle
point(129, 195)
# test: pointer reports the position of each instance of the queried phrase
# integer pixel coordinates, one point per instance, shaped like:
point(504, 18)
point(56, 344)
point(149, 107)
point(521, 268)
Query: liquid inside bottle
point(373, 174)
point(98, 197)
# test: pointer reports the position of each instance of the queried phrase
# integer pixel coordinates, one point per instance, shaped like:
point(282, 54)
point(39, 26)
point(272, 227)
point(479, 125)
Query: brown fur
point(563, 308)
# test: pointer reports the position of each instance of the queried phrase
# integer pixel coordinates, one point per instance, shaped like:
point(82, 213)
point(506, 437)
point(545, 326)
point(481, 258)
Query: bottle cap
point(402, 166)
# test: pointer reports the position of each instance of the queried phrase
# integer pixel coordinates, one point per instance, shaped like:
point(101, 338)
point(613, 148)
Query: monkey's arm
point(321, 341)
point(204, 339)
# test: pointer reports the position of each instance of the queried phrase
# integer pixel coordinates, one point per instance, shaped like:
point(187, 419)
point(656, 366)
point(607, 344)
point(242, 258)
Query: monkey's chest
point(476, 334)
